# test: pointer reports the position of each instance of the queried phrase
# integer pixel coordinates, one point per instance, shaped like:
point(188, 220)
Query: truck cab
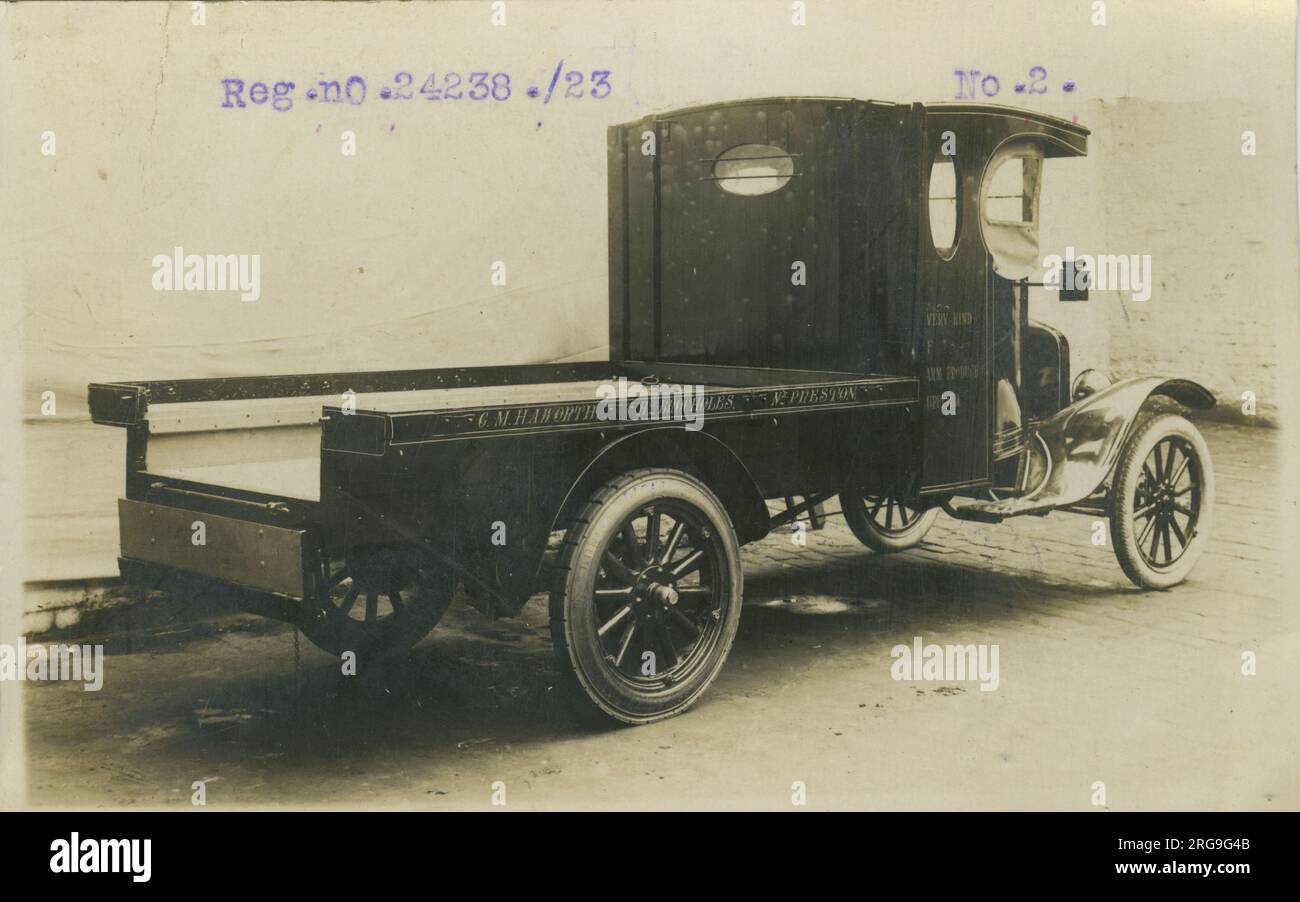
point(849, 234)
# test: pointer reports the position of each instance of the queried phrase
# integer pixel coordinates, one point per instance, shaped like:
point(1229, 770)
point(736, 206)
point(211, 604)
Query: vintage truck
point(841, 285)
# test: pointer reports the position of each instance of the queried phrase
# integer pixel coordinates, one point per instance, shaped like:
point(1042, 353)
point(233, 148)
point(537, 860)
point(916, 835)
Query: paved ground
point(1099, 682)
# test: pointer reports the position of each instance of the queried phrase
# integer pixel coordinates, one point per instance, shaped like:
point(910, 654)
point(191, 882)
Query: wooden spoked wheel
point(886, 519)
point(1161, 501)
point(647, 600)
point(376, 601)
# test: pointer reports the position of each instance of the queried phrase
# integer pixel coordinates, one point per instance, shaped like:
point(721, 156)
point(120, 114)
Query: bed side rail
point(373, 432)
point(127, 403)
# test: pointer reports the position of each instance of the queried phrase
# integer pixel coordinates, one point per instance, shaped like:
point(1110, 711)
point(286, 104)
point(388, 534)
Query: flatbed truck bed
point(470, 403)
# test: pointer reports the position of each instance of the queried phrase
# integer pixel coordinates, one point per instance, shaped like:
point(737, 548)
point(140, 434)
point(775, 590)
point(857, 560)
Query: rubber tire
point(434, 597)
point(585, 685)
point(1128, 472)
point(860, 522)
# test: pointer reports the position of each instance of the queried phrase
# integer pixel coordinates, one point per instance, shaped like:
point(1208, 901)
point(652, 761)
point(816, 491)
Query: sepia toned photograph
point(662, 406)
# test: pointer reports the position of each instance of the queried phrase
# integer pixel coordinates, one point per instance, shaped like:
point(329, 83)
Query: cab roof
point(1067, 138)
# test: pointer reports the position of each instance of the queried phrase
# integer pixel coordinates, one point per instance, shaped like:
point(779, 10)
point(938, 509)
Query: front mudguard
point(1074, 451)
point(1077, 448)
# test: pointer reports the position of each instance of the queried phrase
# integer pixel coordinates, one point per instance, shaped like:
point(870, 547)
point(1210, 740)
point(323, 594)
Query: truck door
point(1009, 223)
point(953, 318)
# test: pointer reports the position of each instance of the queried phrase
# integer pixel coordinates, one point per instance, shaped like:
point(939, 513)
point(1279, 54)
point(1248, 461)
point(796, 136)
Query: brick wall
point(1171, 181)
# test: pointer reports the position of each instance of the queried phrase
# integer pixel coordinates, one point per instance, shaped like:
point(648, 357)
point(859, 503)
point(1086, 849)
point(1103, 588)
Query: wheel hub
point(654, 592)
point(664, 595)
point(1162, 495)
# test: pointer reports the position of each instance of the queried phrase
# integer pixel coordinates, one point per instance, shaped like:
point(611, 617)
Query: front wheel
point(1161, 500)
point(647, 596)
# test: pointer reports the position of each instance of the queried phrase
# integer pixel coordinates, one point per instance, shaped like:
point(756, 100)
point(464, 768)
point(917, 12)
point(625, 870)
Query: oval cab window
point(943, 206)
point(753, 169)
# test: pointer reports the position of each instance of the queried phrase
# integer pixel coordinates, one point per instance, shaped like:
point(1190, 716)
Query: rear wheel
point(376, 602)
point(647, 596)
point(1161, 500)
point(884, 519)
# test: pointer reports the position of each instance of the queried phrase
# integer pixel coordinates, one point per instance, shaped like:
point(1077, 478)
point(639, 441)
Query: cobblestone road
point(1098, 682)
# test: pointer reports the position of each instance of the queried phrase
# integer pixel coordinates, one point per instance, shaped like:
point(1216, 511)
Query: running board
point(985, 511)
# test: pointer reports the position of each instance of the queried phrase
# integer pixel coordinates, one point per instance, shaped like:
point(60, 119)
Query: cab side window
point(1009, 209)
point(944, 209)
